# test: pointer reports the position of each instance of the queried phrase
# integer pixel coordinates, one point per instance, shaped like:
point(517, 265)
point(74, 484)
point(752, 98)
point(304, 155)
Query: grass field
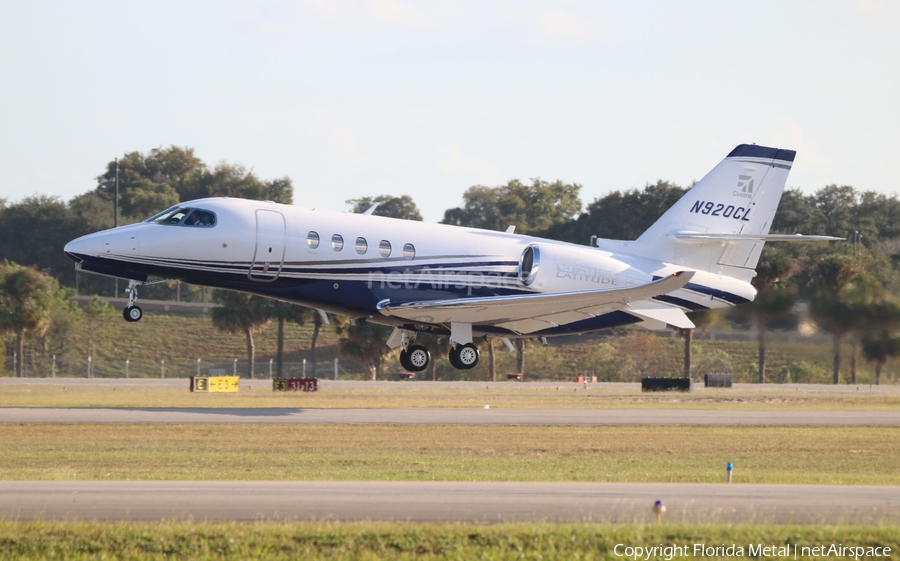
point(422, 394)
point(77, 541)
point(852, 455)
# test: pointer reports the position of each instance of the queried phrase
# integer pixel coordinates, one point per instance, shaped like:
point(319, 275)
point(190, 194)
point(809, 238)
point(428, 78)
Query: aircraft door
point(270, 246)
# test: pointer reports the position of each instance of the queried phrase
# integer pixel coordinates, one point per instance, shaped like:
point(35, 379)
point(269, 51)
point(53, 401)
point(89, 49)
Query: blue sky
point(428, 98)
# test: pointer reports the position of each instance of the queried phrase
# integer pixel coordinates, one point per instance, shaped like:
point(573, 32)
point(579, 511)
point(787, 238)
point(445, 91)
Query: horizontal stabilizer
point(699, 237)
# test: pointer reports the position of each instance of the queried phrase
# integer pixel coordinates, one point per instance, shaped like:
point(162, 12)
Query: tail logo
point(745, 182)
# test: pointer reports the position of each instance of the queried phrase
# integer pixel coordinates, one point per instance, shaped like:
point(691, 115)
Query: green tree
point(144, 186)
point(605, 361)
point(533, 209)
point(96, 311)
point(149, 183)
point(862, 296)
point(881, 340)
point(319, 320)
point(647, 356)
point(394, 207)
point(232, 180)
point(26, 301)
point(66, 318)
point(92, 211)
point(711, 360)
point(283, 312)
point(33, 233)
point(831, 308)
point(623, 215)
point(703, 320)
point(775, 297)
point(365, 341)
point(241, 313)
point(836, 205)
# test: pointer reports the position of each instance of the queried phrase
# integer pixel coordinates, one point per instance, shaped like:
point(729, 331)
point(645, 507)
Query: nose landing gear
point(132, 312)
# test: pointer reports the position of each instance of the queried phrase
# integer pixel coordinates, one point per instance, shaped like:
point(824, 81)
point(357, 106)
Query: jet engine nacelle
point(555, 268)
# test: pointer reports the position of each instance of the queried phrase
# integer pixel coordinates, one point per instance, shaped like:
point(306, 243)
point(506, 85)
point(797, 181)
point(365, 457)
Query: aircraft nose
point(75, 247)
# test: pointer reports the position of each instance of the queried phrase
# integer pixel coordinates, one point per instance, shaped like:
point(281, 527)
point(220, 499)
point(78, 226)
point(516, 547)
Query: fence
point(51, 367)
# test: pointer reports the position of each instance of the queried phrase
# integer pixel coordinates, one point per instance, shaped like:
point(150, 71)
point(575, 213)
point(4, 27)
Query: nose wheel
point(132, 312)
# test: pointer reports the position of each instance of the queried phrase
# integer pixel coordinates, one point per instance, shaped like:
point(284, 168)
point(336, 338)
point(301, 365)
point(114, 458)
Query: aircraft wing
point(533, 312)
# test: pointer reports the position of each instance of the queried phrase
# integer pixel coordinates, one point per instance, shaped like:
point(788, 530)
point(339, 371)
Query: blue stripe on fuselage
point(681, 302)
point(714, 292)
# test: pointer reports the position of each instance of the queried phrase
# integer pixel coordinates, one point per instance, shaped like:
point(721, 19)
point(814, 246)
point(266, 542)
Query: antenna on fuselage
point(116, 204)
point(116, 220)
point(371, 209)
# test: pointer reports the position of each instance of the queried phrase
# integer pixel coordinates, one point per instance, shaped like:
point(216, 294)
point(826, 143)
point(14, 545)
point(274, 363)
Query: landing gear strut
point(416, 358)
point(132, 312)
point(413, 358)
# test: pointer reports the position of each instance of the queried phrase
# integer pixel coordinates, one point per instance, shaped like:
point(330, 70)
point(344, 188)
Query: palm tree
point(319, 319)
point(365, 341)
point(282, 312)
point(703, 320)
point(830, 307)
point(241, 313)
point(774, 298)
point(881, 341)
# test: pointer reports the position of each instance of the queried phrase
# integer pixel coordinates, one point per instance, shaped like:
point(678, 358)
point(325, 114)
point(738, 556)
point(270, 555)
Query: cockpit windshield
point(184, 216)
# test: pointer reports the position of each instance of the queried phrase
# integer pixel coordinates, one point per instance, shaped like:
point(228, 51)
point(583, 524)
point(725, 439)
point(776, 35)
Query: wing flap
point(533, 312)
point(660, 312)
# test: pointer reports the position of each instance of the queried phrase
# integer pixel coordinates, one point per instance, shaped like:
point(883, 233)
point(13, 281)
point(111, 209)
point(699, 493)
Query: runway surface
point(446, 501)
point(454, 416)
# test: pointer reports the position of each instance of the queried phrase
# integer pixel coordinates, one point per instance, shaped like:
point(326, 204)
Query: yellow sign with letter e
point(220, 384)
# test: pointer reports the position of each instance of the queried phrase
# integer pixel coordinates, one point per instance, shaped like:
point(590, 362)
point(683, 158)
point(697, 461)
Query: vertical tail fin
point(737, 198)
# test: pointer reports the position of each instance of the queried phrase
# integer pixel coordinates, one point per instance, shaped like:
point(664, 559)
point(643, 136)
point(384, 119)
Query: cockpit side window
point(170, 216)
point(184, 216)
point(198, 217)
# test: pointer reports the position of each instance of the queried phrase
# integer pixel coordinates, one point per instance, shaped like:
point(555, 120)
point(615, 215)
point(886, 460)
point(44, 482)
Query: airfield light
point(728, 468)
point(658, 509)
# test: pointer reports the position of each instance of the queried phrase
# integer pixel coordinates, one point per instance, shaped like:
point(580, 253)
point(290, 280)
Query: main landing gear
point(415, 358)
point(464, 357)
point(132, 312)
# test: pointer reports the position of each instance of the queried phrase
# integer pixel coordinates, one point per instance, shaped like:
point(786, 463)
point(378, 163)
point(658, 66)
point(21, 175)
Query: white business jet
point(465, 282)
